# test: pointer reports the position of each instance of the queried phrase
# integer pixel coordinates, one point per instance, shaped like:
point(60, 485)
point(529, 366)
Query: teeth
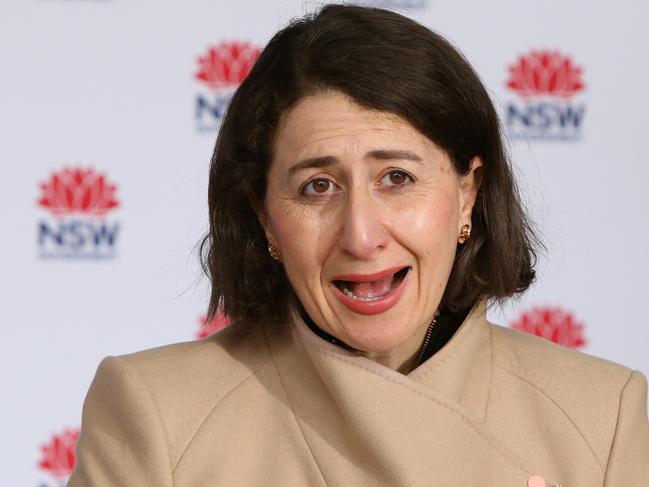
point(350, 294)
point(396, 280)
point(358, 298)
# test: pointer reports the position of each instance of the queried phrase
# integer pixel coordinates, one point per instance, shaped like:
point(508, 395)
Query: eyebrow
point(379, 154)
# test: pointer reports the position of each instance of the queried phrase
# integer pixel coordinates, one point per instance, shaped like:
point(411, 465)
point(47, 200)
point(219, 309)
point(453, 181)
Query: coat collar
point(366, 424)
point(461, 370)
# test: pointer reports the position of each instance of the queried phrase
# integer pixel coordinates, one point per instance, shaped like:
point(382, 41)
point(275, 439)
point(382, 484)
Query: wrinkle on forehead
point(332, 115)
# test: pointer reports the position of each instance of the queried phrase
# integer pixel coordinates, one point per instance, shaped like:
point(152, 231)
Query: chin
point(378, 333)
point(377, 338)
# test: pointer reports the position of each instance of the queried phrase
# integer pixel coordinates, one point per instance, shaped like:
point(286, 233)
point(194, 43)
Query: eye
point(318, 186)
point(397, 178)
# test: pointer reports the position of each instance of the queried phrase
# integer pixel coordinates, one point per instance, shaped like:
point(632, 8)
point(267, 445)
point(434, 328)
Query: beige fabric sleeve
point(122, 441)
point(628, 463)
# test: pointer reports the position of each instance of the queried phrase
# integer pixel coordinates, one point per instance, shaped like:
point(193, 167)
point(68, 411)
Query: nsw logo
point(548, 85)
point(220, 71)
point(78, 201)
point(554, 324)
point(58, 458)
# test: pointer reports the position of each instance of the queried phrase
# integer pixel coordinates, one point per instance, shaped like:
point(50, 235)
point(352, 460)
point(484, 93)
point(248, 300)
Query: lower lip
point(376, 306)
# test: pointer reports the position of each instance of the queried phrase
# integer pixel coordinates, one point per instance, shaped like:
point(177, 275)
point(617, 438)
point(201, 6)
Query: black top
point(442, 330)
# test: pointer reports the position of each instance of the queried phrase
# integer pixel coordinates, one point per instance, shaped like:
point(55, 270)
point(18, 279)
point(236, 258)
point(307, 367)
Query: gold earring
point(464, 234)
point(273, 251)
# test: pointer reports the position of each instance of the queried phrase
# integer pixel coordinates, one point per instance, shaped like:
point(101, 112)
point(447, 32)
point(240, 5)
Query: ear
point(469, 184)
point(262, 217)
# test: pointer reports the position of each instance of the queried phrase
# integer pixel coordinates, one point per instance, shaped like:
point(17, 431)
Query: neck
point(420, 346)
point(404, 358)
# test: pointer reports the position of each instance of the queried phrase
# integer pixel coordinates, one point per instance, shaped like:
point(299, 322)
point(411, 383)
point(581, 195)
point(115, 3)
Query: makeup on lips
point(371, 293)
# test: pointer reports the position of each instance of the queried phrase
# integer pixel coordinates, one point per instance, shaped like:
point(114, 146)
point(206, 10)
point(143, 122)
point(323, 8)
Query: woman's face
point(365, 212)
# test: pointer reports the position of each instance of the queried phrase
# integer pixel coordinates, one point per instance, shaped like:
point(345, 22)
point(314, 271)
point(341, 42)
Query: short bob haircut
point(383, 61)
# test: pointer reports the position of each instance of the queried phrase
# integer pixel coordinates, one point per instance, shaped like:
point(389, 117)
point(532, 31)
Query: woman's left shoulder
point(555, 368)
point(589, 390)
point(605, 402)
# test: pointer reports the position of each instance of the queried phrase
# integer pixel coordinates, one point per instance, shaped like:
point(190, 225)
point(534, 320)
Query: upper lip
point(369, 277)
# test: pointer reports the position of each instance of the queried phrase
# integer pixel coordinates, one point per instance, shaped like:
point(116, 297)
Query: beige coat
point(286, 408)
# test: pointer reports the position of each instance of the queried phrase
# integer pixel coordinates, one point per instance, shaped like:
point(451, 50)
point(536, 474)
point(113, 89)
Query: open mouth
point(371, 290)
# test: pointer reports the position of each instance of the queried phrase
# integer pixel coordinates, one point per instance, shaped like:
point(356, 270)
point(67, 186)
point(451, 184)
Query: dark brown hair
point(383, 61)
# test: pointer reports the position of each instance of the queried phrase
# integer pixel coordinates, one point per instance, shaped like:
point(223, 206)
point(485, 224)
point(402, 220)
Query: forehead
point(331, 121)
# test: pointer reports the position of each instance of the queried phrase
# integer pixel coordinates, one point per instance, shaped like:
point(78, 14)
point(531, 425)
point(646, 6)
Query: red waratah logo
point(78, 190)
point(226, 64)
point(553, 324)
point(218, 322)
point(59, 455)
point(545, 73)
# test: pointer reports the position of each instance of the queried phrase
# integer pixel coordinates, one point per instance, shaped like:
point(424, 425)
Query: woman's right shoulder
point(189, 378)
point(239, 341)
point(156, 401)
point(209, 366)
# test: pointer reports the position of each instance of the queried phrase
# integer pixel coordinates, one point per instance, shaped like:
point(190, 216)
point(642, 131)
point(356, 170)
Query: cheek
point(430, 227)
point(303, 237)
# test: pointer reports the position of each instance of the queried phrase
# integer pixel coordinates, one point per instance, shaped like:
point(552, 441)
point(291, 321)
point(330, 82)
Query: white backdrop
point(108, 88)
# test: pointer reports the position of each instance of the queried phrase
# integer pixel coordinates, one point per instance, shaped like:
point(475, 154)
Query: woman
point(362, 216)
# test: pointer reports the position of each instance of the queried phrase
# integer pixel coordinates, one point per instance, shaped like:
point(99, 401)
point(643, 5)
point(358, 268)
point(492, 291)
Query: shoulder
point(200, 371)
point(225, 358)
point(587, 390)
point(184, 383)
point(554, 367)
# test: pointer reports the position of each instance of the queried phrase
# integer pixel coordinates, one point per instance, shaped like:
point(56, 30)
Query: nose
point(363, 231)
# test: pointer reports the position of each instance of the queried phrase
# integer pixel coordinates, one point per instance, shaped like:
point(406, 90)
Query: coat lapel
point(461, 370)
point(366, 424)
